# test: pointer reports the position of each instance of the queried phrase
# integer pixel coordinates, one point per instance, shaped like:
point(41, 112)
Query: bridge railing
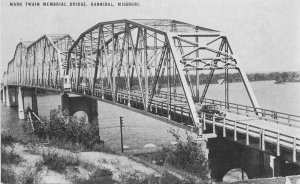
point(249, 130)
point(270, 115)
point(181, 113)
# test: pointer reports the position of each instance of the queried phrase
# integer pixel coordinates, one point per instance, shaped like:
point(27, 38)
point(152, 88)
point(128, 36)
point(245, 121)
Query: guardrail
point(271, 115)
point(182, 112)
point(264, 135)
point(265, 114)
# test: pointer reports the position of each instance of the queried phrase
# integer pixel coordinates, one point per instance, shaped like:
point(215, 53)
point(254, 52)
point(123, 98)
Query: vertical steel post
point(33, 66)
point(79, 65)
point(226, 80)
point(146, 107)
point(96, 63)
point(169, 84)
point(128, 62)
point(43, 63)
point(91, 72)
point(112, 63)
point(197, 73)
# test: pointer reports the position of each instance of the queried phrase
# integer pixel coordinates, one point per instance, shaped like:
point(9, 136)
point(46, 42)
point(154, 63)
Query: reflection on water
point(140, 130)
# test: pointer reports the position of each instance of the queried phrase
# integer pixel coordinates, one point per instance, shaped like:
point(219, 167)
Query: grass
point(278, 180)
point(7, 139)
point(58, 163)
point(66, 144)
point(9, 157)
point(28, 177)
point(7, 176)
point(102, 176)
point(165, 178)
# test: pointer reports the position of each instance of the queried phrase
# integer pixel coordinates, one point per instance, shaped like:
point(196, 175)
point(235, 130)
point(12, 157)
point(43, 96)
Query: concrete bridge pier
point(21, 103)
point(7, 96)
point(202, 143)
point(75, 103)
point(11, 97)
point(34, 102)
point(3, 94)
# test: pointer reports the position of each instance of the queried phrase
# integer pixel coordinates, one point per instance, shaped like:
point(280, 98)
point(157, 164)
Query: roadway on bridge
point(288, 135)
point(264, 124)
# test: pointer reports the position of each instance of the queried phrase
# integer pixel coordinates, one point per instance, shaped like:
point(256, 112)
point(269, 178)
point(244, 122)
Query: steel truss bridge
point(147, 65)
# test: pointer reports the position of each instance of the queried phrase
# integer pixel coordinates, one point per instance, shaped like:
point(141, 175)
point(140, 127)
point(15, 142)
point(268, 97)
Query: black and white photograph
point(150, 92)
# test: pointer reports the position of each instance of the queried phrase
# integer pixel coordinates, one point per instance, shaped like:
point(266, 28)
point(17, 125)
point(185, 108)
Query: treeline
point(278, 77)
point(236, 77)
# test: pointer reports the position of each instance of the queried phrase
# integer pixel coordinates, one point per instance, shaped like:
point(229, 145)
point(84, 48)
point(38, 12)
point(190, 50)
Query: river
point(140, 130)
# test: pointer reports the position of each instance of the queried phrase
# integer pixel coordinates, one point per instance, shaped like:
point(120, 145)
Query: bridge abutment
point(225, 155)
point(76, 103)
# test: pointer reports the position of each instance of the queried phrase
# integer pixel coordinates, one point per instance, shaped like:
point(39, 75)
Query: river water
point(140, 130)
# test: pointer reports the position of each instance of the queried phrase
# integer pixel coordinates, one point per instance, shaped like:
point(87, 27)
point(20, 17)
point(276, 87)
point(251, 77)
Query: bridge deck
point(279, 134)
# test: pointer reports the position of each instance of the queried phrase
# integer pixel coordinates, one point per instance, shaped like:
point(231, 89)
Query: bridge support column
point(202, 143)
point(21, 103)
point(34, 101)
point(275, 166)
point(4, 95)
point(11, 97)
point(7, 96)
point(76, 103)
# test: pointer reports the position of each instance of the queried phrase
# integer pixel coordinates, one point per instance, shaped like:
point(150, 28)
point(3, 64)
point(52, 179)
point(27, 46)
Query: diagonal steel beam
point(187, 91)
point(211, 75)
point(137, 72)
point(97, 62)
point(161, 60)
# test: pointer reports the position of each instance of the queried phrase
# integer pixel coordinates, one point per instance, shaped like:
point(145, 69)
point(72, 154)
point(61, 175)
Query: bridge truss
point(154, 66)
point(151, 56)
point(41, 63)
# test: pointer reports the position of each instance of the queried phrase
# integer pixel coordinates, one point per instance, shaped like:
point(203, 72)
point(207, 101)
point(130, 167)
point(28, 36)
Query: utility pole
point(121, 126)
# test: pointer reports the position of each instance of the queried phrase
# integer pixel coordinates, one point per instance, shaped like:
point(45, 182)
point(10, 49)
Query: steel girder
point(40, 63)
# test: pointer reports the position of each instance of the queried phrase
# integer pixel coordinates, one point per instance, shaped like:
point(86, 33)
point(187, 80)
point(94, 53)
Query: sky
point(264, 35)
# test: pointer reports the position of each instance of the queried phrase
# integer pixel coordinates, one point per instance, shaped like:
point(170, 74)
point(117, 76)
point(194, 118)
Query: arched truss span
point(40, 63)
point(151, 57)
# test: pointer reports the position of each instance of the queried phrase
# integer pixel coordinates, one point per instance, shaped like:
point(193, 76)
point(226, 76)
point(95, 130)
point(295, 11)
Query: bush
point(102, 176)
point(7, 176)
point(169, 178)
point(165, 178)
point(9, 157)
point(67, 129)
point(58, 163)
point(188, 156)
point(27, 177)
point(7, 139)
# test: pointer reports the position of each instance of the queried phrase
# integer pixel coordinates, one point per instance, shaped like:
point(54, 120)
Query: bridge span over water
point(152, 67)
